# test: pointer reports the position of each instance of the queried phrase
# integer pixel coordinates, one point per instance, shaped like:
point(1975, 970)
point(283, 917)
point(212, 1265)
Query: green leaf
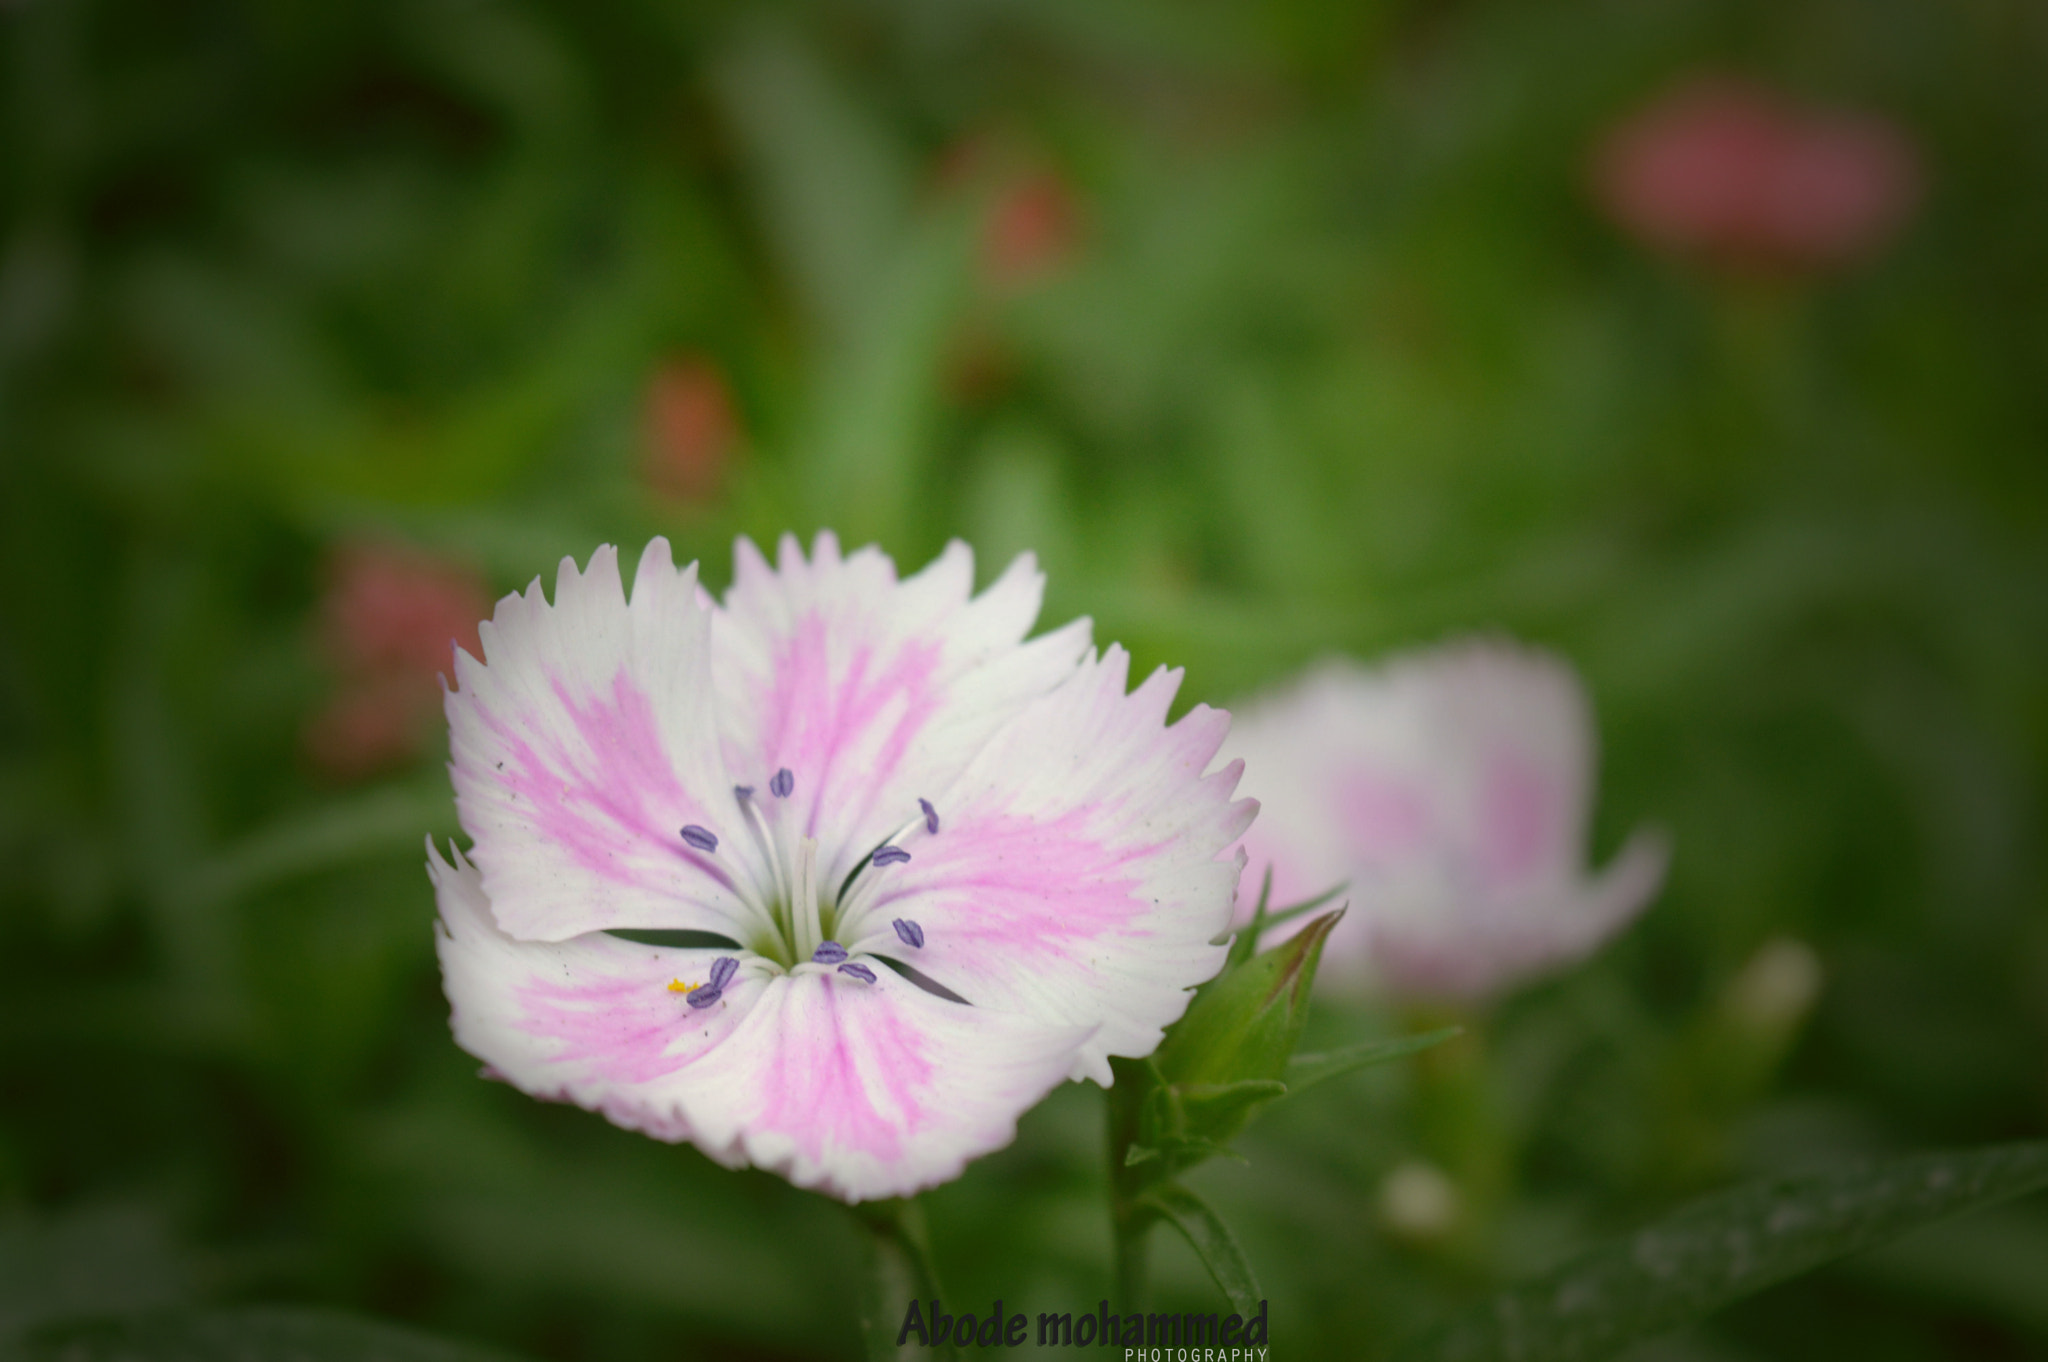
point(1723, 1248)
point(111, 1258)
point(1305, 1071)
point(1212, 1242)
point(249, 1335)
point(390, 820)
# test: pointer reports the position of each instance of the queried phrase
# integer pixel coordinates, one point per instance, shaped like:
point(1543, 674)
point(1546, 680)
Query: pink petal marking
point(821, 1086)
point(609, 793)
point(1518, 819)
point(624, 1029)
point(815, 717)
point(1023, 886)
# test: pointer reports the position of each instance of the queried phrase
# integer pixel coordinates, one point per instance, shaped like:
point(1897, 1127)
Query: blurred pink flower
point(389, 624)
point(692, 428)
point(1450, 787)
point(1733, 173)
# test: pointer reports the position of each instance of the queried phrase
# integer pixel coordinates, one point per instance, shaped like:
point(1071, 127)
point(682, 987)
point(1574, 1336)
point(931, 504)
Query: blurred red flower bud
point(692, 428)
point(388, 623)
point(394, 609)
point(1730, 172)
point(1033, 227)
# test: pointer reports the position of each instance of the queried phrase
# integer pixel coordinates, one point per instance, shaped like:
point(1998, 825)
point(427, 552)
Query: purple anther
point(829, 953)
point(722, 970)
point(783, 785)
point(705, 996)
point(888, 855)
point(931, 817)
point(909, 932)
point(742, 793)
point(701, 838)
point(858, 971)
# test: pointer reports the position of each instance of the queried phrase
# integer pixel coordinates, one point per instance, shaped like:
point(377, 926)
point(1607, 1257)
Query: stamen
point(703, 839)
point(909, 932)
point(711, 990)
point(931, 817)
point(764, 838)
point(887, 855)
point(858, 971)
point(783, 784)
point(805, 932)
point(829, 953)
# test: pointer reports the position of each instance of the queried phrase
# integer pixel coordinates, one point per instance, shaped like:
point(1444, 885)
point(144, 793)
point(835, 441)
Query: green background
point(1342, 357)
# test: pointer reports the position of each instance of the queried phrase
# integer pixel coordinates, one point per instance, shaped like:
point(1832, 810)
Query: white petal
point(1079, 873)
point(859, 1090)
point(582, 746)
point(872, 692)
point(590, 1021)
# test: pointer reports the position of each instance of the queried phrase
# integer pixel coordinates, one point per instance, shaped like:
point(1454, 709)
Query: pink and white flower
point(1449, 791)
point(929, 869)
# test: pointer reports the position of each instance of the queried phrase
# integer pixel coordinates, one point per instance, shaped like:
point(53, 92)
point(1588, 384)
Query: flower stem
point(1130, 1220)
point(1131, 1234)
point(900, 1271)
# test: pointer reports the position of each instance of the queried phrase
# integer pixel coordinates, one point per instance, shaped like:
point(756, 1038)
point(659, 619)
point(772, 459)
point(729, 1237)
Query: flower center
point(800, 922)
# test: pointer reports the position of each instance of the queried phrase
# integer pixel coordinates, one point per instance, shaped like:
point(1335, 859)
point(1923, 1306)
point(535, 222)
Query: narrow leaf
point(1212, 1242)
point(1305, 1071)
point(1246, 943)
point(250, 1335)
point(1723, 1248)
point(382, 822)
point(1292, 911)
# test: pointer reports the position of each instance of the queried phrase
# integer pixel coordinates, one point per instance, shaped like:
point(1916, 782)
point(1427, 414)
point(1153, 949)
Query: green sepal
point(1217, 1111)
point(1180, 1151)
point(1244, 943)
point(1245, 1024)
point(1246, 939)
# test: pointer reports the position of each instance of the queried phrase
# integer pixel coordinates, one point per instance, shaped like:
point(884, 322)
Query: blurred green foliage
point(1318, 344)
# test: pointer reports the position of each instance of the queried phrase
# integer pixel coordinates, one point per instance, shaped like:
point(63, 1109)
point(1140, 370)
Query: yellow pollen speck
point(678, 986)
